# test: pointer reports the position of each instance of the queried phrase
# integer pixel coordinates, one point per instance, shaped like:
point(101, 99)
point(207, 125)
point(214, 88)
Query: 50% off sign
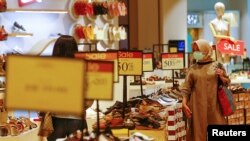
point(172, 61)
point(130, 63)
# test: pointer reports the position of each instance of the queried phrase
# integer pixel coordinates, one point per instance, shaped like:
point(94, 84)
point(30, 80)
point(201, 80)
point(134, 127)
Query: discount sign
point(147, 62)
point(172, 61)
point(100, 80)
point(101, 56)
point(130, 63)
point(229, 47)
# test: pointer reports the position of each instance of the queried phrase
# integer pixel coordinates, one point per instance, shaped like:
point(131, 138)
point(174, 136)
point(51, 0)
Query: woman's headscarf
point(204, 47)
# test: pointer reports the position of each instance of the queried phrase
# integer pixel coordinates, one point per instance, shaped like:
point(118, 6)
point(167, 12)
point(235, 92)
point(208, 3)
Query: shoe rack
point(20, 34)
point(101, 21)
point(151, 86)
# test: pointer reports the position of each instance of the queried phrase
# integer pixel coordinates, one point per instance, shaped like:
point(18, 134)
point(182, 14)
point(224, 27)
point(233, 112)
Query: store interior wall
point(41, 25)
point(133, 24)
point(45, 4)
point(148, 31)
point(173, 20)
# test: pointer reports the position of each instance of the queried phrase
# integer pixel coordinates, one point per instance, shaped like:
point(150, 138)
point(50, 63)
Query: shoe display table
point(30, 135)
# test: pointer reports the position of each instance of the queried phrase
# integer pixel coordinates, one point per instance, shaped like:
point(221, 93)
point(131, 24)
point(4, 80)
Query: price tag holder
point(100, 80)
point(130, 62)
point(45, 84)
point(102, 56)
point(148, 62)
point(172, 61)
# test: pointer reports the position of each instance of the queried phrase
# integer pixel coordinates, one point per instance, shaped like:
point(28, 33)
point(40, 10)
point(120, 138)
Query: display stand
point(130, 64)
point(100, 79)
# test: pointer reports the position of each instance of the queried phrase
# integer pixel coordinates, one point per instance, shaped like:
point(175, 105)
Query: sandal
point(14, 130)
point(28, 122)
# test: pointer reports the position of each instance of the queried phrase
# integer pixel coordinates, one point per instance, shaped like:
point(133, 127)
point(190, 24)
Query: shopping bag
point(226, 100)
point(46, 127)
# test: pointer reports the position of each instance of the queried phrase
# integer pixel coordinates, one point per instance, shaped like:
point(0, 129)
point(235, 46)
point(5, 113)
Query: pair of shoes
point(166, 101)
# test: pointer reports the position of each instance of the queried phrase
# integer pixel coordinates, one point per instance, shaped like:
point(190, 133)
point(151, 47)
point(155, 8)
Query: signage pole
point(124, 95)
point(141, 87)
point(98, 118)
point(173, 76)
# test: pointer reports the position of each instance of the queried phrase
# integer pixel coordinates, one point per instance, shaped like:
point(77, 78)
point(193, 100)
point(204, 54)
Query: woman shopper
point(200, 104)
point(64, 125)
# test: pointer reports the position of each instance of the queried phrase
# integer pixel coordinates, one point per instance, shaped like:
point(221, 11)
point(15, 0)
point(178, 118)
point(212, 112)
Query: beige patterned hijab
point(204, 47)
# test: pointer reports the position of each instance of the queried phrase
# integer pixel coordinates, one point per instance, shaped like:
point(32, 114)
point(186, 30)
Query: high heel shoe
point(18, 27)
point(3, 34)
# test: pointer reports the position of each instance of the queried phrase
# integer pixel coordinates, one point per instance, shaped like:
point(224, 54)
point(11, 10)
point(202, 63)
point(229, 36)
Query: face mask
point(198, 55)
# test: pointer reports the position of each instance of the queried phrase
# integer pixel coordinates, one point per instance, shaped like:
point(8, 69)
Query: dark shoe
point(18, 26)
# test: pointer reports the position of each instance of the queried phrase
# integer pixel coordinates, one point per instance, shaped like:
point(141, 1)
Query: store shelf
point(37, 11)
point(240, 80)
point(20, 34)
point(157, 85)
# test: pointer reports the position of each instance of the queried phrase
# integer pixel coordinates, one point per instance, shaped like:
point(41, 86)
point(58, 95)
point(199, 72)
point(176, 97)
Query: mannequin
point(221, 30)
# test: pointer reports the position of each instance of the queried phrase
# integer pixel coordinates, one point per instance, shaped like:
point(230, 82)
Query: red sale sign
point(229, 47)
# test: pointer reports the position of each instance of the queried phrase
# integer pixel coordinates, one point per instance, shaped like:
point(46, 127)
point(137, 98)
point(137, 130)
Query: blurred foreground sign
point(45, 84)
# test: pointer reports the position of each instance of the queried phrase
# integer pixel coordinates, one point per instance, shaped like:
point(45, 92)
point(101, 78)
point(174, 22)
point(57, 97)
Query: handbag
point(226, 100)
point(46, 127)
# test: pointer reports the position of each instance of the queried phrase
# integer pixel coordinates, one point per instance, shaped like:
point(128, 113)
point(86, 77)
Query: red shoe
point(89, 9)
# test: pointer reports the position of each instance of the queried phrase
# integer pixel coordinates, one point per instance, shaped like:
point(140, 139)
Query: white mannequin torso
point(220, 26)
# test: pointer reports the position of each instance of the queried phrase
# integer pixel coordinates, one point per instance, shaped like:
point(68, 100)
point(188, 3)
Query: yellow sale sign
point(130, 63)
point(172, 61)
point(101, 56)
point(45, 84)
point(100, 80)
point(147, 62)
